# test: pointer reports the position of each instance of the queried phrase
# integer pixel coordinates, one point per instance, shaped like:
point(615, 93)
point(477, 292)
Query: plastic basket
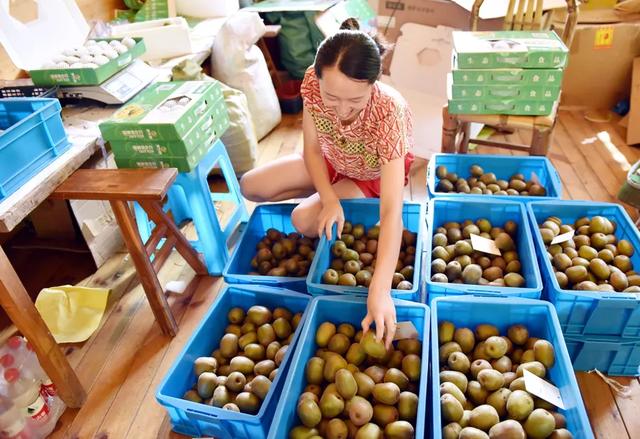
point(541, 320)
point(264, 217)
point(338, 309)
point(32, 137)
point(611, 355)
point(442, 210)
point(198, 420)
point(28, 91)
point(503, 166)
point(367, 212)
point(581, 312)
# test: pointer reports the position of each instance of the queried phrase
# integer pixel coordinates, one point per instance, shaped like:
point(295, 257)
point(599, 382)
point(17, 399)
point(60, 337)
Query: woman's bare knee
point(250, 187)
point(304, 220)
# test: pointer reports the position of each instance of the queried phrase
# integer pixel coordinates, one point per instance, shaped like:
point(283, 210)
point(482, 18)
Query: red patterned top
point(382, 131)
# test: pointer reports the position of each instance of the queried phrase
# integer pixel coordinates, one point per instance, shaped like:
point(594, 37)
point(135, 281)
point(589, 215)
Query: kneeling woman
point(357, 138)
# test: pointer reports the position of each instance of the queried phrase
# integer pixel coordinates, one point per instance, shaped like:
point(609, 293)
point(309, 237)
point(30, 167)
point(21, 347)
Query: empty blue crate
point(498, 212)
point(264, 217)
point(202, 420)
point(31, 137)
point(346, 309)
point(502, 166)
point(367, 213)
point(541, 320)
point(613, 356)
point(589, 313)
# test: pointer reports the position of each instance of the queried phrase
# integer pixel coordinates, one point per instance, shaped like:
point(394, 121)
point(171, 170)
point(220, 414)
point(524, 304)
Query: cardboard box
point(500, 49)
point(503, 91)
point(163, 111)
point(633, 126)
point(598, 74)
point(549, 77)
point(184, 164)
point(501, 106)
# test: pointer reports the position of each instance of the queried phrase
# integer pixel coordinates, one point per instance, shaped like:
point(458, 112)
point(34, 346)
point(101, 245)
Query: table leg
point(147, 274)
point(18, 305)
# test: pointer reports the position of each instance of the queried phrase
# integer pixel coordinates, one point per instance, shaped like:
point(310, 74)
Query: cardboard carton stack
point(168, 125)
point(506, 72)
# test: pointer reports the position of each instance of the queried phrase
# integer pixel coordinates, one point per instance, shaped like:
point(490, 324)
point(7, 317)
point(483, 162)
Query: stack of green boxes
point(168, 125)
point(506, 72)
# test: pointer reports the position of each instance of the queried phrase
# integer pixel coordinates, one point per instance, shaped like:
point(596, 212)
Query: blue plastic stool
point(191, 198)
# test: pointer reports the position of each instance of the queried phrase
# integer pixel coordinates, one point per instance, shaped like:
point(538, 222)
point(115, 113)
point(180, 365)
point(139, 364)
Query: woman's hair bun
point(350, 24)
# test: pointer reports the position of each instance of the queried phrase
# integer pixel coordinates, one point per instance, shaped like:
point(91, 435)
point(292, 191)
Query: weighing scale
point(116, 90)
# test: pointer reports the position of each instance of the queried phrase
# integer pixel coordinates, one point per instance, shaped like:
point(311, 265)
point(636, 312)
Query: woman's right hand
point(330, 214)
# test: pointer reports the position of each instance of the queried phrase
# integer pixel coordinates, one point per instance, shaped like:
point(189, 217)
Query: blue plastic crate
point(541, 320)
point(345, 309)
point(367, 212)
point(264, 217)
point(199, 420)
point(589, 313)
point(501, 165)
point(32, 137)
point(610, 355)
point(443, 210)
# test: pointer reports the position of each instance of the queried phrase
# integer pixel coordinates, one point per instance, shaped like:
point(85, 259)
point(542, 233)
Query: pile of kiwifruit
point(283, 255)
point(454, 260)
point(594, 259)
point(482, 390)
point(356, 388)
point(238, 375)
point(480, 183)
point(354, 258)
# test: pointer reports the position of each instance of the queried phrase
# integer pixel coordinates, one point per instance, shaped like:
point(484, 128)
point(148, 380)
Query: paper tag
point(564, 237)
point(535, 179)
point(603, 38)
point(405, 330)
point(484, 245)
point(542, 389)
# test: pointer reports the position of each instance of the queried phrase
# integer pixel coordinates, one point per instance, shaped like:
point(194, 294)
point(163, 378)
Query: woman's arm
point(314, 161)
point(380, 307)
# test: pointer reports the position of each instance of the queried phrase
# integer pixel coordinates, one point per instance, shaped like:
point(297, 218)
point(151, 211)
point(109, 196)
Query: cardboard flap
point(29, 45)
point(498, 8)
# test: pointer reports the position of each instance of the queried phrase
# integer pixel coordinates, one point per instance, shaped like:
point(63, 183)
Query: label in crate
point(563, 238)
point(484, 245)
point(405, 330)
point(542, 389)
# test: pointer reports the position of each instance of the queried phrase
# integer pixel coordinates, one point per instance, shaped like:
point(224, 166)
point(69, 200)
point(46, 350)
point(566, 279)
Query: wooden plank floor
point(124, 361)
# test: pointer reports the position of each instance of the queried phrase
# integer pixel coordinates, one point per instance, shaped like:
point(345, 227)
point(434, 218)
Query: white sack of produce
point(239, 63)
point(240, 138)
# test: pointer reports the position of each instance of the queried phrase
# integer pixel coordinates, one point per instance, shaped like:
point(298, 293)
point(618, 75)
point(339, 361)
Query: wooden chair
point(148, 187)
point(521, 15)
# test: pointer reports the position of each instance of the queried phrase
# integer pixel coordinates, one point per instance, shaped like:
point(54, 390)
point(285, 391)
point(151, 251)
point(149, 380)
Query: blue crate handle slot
point(201, 416)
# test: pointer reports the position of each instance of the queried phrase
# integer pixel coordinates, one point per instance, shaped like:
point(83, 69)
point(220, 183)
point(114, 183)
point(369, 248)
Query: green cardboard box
point(499, 49)
point(501, 106)
point(547, 77)
point(184, 164)
point(209, 128)
point(163, 111)
point(88, 76)
point(488, 92)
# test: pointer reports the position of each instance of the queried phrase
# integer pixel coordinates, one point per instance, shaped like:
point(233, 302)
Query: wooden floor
point(125, 360)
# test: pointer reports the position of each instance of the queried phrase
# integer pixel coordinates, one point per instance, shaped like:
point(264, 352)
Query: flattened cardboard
point(633, 125)
point(484, 245)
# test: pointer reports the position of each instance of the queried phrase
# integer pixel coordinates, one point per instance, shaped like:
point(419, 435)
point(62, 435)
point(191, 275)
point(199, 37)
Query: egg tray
point(88, 76)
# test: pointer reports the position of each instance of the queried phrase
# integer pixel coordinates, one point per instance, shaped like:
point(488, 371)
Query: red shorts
point(370, 188)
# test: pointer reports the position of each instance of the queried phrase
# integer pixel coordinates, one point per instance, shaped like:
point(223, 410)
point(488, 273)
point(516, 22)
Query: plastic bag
point(239, 63)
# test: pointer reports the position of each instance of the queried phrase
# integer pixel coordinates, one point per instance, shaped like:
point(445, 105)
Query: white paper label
point(484, 245)
point(535, 179)
point(542, 389)
point(405, 330)
point(564, 237)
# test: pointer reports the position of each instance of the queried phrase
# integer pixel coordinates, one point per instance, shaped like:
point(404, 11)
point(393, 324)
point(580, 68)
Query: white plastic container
point(207, 8)
point(165, 38)
point(12, 424)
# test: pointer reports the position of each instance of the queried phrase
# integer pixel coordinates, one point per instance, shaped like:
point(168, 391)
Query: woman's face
point(344, 95)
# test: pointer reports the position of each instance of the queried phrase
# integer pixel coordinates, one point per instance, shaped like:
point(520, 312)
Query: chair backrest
point(527, 15)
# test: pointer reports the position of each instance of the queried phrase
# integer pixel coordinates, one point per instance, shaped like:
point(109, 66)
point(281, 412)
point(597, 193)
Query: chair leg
point(450, 125)
point(540, 140)
point(466, 133)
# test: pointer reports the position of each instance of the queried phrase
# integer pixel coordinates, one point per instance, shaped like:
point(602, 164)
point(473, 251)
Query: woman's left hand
point(382, 311)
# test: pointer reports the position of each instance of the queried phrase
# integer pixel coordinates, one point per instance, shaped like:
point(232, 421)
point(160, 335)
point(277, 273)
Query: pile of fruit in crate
point(283, 255)
point(482, 385)
point(354, 258)
point(91, 55)
point(590, 257)
point(357, 388)
point(481, 183)
point(453, 258)
point(238, 375)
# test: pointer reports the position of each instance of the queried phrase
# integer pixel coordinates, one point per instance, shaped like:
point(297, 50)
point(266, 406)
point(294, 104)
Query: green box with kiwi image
point(524, 92)
point(209, 128)
point(184, 164)
point(535, 77)
point(164, 111)
point(528, 107)
point(500, 49)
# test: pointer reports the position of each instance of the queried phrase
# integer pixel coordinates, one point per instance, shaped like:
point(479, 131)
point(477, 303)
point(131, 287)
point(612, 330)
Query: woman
point(357, 137)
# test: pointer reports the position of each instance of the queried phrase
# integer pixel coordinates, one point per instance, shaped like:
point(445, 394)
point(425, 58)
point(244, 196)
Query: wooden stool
point(148, 187)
